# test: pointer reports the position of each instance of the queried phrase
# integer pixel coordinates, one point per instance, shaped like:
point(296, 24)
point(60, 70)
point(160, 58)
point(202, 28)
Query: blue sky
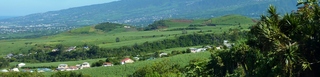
point(25, 7)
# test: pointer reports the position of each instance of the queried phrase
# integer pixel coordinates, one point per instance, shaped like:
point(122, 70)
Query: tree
point(276, 46)
point(184, 31)
point(159, 69)
point(97, 64)
point(60, 48)
point(106, 26)
point(280, 39)
point(196, 68)
point(156, 25)
point(117, 39)
point(188, 50)
point(4, 63)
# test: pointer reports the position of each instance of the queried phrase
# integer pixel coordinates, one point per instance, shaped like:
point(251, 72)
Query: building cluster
point(63, 67)
point(226, 43)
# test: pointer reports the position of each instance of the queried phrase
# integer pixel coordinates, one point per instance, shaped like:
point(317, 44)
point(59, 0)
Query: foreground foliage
point(277, 46)
point(159, 69)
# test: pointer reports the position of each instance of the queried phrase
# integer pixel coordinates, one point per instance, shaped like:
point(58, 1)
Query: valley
point(165, 38)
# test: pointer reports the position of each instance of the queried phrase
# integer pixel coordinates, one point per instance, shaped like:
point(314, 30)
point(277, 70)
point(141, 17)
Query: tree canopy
point(277, 46)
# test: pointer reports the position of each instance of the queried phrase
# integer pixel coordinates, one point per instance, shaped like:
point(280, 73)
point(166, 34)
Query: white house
point(72, 68)
point(55, 50)
point(202, 49)
point(71, 48)
point(21, 65)
point(127, 27)
point(107, 64)
point(126, 60)
point(195, 50)
point(62, 67)
point(9, 55)
point(79, 66)
point(85, 65)
point(4, 70)
point(208, 46)
point(226, 43)
point(136, 58)
point(163, 54)
point(15, 70)
point(218, 48)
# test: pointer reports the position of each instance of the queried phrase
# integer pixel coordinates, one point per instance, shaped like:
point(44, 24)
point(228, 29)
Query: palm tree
point(273, 37)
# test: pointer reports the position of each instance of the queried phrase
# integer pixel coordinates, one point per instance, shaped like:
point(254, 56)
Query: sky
point(25, 7)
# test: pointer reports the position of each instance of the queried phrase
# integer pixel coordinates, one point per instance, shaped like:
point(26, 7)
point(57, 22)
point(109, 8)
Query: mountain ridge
point(143, 12)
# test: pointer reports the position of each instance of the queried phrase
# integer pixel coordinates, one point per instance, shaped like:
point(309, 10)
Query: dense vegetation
point(107, 26)
point(276, 47)
point(157, 25)
point(4, 62)
point(158, 69)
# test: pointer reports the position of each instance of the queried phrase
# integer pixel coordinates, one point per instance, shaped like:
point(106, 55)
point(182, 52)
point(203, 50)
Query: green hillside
point(128, 37)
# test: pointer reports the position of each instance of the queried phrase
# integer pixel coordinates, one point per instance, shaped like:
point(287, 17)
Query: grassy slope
point(128, 38)
point(124, 70)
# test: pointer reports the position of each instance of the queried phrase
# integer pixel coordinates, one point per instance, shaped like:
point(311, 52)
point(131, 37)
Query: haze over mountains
point(5, 17)
point(143, 12)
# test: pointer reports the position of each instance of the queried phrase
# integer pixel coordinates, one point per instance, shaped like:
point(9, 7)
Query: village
point(65, 67)
point(62, 67)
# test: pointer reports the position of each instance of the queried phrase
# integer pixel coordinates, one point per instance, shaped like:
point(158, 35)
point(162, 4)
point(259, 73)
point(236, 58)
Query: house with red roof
point(72, 68)
point(107, 64)
point(126, 60)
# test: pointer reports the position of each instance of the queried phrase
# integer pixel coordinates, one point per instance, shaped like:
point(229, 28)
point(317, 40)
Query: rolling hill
point(128, 37)
point(142, 12)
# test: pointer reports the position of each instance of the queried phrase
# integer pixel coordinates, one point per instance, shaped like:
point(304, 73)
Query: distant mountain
point(143, 12)
point(5, 17)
